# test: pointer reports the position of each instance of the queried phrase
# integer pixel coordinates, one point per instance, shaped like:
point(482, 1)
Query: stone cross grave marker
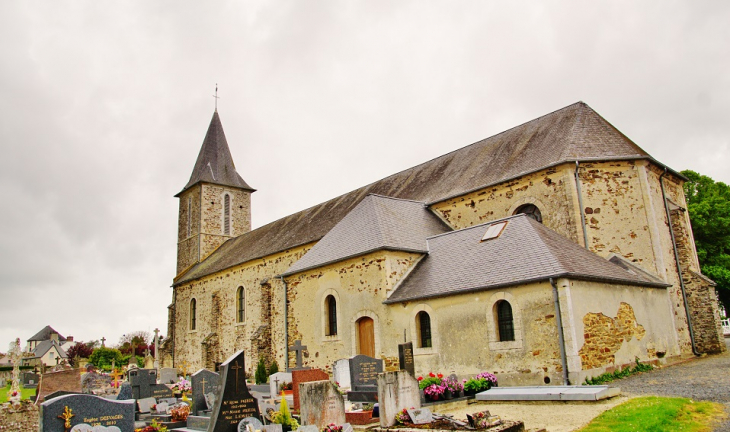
point(234, 402)
point(364, 372)
point(405, 357)
point(202, 383)
point(144, 384)
point(64, 412)
point(157, 349)
point(341, 373)
point(302, 376)
point(276, 380)
point(298, 349)
point(396, 391)
point(321, 404)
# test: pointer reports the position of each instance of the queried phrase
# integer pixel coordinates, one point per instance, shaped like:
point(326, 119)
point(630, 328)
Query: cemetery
point(359, 394)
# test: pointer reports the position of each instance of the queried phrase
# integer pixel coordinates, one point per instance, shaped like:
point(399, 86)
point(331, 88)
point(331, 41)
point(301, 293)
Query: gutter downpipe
point(580, 204)
point(561, 338)
point(286, 323)
point(679, 269)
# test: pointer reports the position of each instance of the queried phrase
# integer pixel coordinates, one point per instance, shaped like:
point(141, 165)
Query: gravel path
point(706, 378)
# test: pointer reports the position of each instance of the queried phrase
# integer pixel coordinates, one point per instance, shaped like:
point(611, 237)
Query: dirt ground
point(552, 416)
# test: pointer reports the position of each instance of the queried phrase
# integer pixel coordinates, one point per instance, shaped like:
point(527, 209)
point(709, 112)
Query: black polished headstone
point(405, 357)
point(86, 409)
point(30, 379)
point(364, 372)
point(203, 381)
point(234, 402)
point(142, 381)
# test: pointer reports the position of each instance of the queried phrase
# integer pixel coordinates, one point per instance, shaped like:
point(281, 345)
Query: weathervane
point(216, 97)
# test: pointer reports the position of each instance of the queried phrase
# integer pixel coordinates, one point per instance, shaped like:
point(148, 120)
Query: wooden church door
point(366, 337)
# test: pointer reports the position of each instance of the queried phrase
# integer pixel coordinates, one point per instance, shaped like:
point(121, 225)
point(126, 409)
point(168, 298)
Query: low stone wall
point(23, 419)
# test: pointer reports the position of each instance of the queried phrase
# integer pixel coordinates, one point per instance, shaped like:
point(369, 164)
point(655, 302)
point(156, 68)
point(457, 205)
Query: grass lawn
point(25, 393)
point(654, 413)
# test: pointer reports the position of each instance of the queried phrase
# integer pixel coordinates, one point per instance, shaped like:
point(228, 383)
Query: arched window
point(226, 214)
point(193, 312)
point(530, 210)
point(240, 305)
point(505, 323)
point(331, 310)
point(190, 216)
point(423, 321)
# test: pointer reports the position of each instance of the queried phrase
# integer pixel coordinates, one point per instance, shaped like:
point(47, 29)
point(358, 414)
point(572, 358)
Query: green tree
point(102, 357)
point(708, 203)
point(261, 375)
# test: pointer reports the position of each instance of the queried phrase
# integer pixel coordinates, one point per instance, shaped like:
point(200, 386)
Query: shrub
point(273, 368)
point(261, 374)
point(102, 357)
point(618, 374)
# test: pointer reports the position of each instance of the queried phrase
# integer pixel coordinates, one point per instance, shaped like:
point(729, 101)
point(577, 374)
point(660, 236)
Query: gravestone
point(30, 379)
point(95, 383)
point(405, 358)
point(234, 402)
point(321, 404)
point(302, 376)
point(272, 428)
point(51, 382)
point(125, 392)
point(364, 372)
point(59, 393)
point(85, 409)
point(168, 376)
point(203, 382)
point(149, 362)
point(396, 391)
point(298, 350)
point(420, 415)
point(341, 373)
point(144, 384)
point(252, 421)
point(276, 380)
point(145, 404)
point(162, 407)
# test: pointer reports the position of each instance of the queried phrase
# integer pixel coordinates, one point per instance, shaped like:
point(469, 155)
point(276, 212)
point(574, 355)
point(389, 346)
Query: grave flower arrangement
point(453, 386)
point(402, 418)
point(332, 428)
point(432, 386)
point(153, 427)
point(482, 382)
point(182, 385)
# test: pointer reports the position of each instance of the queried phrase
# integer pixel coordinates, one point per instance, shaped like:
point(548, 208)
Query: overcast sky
point(104, 106)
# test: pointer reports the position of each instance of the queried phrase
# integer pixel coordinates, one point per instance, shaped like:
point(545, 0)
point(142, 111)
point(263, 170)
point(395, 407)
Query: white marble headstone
point(276, 380)
point(341, 373)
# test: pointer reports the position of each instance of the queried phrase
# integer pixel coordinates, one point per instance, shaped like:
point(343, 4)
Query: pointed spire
point(215, 164)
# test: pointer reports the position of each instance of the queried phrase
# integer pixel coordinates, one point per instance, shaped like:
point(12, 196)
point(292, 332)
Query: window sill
point(240, 324)
point(505, 346)
point(424, 351)
point(333, 338)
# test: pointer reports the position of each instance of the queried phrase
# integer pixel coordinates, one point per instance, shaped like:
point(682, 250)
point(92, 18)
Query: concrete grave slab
point(420, 415)
point(548, 393)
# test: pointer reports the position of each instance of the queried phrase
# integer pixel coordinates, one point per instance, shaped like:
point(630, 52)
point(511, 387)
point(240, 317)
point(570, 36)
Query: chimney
point(69, 338)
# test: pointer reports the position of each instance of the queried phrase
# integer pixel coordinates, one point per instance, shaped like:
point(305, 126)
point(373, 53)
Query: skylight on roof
point(494, 230)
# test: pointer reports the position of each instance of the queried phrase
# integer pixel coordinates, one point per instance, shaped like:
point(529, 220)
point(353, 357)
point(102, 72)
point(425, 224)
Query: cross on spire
point(216, 97)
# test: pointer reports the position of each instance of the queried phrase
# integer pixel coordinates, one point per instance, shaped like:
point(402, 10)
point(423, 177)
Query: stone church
point(548, 253)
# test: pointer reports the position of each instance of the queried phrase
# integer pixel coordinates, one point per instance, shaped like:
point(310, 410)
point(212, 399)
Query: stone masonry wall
point(701, 297)
point(551, 190)
point(232, 336)
point(188, 243)
point(605, 335)
point(211, 224)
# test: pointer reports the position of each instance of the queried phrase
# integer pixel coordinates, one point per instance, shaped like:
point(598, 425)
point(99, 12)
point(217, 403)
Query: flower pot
point(286, 428)
point(448, 395)
point(288, 392)
point(470, 393)
point(433, 398)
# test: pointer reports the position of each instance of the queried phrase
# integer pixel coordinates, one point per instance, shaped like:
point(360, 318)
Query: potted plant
point(284, 418)
point(153, 427)
point(432, 387)
point(403, 418)
point(182, 386)
point(482, 382)
point(287, 388)
point(332, 428)
point(453, 387)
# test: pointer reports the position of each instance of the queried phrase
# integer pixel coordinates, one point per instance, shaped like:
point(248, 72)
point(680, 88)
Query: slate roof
point(45, 334)
point(526, 251)
point(214, 163)
point(575, 132)
point(42, 348)
point(376, 223)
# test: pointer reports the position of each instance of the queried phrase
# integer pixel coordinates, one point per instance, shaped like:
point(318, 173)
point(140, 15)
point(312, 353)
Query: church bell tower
point(215, 204)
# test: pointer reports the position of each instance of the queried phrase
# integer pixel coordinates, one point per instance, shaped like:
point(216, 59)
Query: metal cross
point(102, 341)
point(216, 97)
point(236, 368)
